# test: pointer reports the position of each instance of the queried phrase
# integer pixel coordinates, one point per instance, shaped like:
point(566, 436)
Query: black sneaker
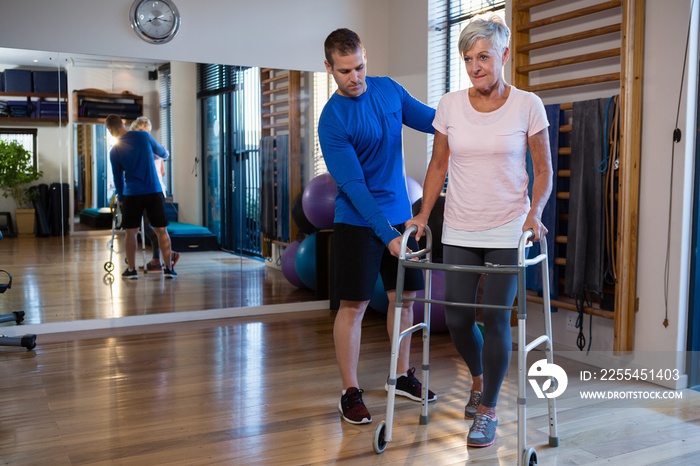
point(472, 404)
point(409, 386)
point(353, 408)
point(130, 274)
point(482, 433)
point(169, 273)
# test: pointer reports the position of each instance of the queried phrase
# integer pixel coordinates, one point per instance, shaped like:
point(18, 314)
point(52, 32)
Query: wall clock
point(156, 22)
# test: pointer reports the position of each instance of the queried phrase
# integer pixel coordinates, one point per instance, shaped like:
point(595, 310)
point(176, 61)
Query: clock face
point(156, 22)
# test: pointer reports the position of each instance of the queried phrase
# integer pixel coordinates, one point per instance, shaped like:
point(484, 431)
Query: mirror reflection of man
point(139, 190)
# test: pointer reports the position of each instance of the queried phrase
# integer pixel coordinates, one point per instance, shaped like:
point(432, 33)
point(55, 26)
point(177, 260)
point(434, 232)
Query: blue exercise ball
point(289, 269)
point(305, 261)
point(318, 201)
point(437, 311)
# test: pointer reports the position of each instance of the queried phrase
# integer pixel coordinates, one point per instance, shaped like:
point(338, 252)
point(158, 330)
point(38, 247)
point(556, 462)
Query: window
point(26, 137)
point(446, 19)
point(324, 87)
point(166, 119)
point(230, 106)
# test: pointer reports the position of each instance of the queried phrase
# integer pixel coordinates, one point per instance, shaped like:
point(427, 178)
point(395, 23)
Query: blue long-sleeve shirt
point(361, 141)
point(132, 164)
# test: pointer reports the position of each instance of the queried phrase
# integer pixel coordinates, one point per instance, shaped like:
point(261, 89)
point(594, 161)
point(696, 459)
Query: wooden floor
point(264, 390)
point(260, 390)
point(58, 279)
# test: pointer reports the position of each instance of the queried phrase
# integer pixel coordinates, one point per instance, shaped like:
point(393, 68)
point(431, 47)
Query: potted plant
point(17, 171)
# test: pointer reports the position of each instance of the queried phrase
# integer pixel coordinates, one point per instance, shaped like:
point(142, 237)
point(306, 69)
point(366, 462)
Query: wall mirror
point(61, 278)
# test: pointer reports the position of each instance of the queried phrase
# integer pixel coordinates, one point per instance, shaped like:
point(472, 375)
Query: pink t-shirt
point(486, 172)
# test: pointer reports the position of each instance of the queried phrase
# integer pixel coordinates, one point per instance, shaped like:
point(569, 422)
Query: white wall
point(665, 38)
point(408, 42)
point(186, 146)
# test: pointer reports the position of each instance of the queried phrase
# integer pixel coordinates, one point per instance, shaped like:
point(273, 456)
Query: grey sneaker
point(482, 433)
point(472, 404)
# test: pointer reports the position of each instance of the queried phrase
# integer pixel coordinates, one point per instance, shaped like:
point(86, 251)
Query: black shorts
point(359, 256)
point(133, 208)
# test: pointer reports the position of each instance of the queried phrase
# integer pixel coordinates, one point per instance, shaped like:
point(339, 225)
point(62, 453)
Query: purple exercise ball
point(437, 311)
point(318, 201)
point(289, 269)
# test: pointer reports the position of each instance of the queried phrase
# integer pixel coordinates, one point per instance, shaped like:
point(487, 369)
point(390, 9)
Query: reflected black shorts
point(133, 208)
point(359, 256)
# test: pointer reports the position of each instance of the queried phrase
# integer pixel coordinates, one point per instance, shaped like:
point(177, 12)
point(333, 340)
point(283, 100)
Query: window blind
point(324, 87)
point(446, 18)
point(165, 120)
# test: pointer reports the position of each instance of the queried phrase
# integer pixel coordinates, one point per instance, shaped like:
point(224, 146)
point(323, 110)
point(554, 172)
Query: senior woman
point(481, 138)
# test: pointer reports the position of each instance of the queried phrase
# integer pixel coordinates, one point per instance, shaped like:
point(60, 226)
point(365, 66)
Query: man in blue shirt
point(360, 132)
point(138, 190)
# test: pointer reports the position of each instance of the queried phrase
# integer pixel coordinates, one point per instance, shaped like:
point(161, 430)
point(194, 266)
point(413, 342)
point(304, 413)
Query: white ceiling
point(32, 58)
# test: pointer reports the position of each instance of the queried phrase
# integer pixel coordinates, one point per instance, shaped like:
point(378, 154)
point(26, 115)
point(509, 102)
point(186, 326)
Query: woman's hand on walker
point(538, 229)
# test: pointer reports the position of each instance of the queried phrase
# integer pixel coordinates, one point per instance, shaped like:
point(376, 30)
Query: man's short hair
point(113, 121)
point(344, 41)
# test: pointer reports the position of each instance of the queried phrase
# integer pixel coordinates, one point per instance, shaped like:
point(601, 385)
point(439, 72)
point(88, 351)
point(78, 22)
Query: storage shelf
point(10, 120)
point(38, 95)
point(96, 95)
point(32, 121)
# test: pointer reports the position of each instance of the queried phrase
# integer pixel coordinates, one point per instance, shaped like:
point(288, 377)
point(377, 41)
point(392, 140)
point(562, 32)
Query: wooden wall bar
point(629, 77)
point(630, 155)
point(281, 114)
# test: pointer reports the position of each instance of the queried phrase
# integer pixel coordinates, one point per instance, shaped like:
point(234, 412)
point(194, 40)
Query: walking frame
point(422, 260)
point(116, 224)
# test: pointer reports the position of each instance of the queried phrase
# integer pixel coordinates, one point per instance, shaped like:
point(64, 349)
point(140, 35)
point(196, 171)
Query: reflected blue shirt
point(132, 164)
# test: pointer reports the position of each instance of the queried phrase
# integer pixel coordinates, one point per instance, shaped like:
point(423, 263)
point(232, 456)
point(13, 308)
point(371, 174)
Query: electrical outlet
point(571, 322)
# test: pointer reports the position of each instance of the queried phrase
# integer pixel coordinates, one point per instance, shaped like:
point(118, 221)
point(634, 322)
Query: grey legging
point(489, 355)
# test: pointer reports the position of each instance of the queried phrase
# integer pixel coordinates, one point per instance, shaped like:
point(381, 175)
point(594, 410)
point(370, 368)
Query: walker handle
point(410, 231)
point(524, 238)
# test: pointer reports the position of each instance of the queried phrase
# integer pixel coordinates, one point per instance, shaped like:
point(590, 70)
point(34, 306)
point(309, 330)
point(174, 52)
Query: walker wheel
point(530, 457)
point(108, 279)
point(109, 267)
point(379, 442)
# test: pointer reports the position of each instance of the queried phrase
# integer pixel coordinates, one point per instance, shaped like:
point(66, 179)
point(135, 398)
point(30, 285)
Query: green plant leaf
point(17, 171)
